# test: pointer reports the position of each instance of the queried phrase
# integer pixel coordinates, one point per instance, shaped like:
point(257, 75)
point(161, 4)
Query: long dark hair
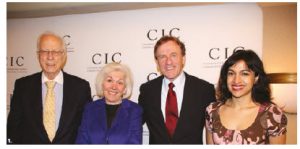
point(261, 89)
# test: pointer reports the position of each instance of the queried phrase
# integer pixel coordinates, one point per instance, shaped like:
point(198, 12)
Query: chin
point(237, 95)
point(171, 76)
point(51, 72)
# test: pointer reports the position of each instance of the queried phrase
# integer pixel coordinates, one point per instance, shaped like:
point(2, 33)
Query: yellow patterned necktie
point(49, 110)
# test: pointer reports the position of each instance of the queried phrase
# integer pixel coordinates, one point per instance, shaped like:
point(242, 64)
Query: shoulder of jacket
point(73, 77)
point(30, 77)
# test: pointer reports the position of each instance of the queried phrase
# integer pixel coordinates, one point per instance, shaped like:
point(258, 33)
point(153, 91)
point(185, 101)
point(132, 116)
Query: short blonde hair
point(108, 68)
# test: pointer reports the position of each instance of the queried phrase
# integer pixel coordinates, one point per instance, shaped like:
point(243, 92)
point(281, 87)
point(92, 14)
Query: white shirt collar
point(179, 80)
point(58, 79)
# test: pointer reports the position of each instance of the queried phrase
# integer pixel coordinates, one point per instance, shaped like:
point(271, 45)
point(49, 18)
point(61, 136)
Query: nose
point(237, 79)
point(50, 55)
point(114, 85)
point(168, 60)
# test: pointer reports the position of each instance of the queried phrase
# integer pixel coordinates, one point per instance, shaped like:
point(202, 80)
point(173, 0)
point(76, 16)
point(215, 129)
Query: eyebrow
point(114, 79)
point(229, 69)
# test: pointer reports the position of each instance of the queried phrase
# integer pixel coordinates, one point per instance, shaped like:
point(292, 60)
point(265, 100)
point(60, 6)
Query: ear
point(183, 61)
point(256, 79)
point(125, 90)
point(157, 65)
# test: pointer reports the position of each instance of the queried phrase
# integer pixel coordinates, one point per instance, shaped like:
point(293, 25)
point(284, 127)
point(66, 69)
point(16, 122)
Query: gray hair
point(108, 68)
point(49, 33)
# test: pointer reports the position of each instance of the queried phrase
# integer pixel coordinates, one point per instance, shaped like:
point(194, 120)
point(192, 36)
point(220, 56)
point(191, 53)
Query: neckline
point(248, 127)
point(112, 106)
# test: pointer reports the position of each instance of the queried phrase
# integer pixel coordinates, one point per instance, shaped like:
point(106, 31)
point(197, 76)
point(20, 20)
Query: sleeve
point(141, 100)
point(136, 127)
point(82, 135)
point(15, 116)
point(212, 94)
point(277, 121)
point(208, 118)
point(87, 93)
point(85, 98)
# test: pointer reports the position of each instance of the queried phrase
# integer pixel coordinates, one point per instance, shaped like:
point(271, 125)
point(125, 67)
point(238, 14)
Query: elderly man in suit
point(174, 103)
point(46, 107)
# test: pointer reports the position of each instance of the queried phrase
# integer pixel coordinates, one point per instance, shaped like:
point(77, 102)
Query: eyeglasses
point(53, 52)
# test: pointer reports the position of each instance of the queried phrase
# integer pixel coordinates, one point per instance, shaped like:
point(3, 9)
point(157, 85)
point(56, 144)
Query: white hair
point(108, 68)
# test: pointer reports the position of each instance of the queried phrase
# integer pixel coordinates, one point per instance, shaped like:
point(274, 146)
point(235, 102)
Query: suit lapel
point(157, 89)
point(186, 95)
point(68, 110)
point(121, 115)
point(37, 110)
point(37, 100)
point(187, 92)
point(101, 119)
point(157, 99)
point(100, 122)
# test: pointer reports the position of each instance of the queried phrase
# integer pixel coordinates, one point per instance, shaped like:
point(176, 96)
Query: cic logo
point(221, 54)
point(67, 40)
point(15, 61)
point(16, 64)
point(155, 34)
point(152, 76)
point(100, 59)
point(104, 58)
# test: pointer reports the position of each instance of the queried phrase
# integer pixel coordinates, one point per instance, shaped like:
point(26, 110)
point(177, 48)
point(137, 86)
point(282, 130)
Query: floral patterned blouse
point(270, 121)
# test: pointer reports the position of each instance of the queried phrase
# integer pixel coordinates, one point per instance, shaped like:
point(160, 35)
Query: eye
point(161, 57)
point(58, 52)
point(245, 73)
point(120, 82)
point(173, 55)
point(45, 52)
point(230, 73)
point(109, 80)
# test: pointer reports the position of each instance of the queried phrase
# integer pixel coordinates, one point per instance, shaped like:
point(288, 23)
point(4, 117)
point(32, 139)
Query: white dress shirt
point(178, 88)
point(58, 91)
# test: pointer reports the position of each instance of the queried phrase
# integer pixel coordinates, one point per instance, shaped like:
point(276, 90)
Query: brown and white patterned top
point(270, 121)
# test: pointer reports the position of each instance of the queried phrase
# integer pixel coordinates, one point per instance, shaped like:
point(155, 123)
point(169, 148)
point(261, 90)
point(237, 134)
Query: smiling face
point(240, 80)
point(170, 60)
point(114, 87)
point(51, 55)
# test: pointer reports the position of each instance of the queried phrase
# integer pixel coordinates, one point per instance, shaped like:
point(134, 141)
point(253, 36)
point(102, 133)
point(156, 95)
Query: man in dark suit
point(27, 122)
point(174, 113)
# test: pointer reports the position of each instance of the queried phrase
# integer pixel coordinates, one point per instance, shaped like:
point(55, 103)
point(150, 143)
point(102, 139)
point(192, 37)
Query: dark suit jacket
point(196, 97)
point(126, 127)
point(25, 119)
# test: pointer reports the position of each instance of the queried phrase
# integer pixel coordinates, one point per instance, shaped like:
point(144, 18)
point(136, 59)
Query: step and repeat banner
point(210, 32)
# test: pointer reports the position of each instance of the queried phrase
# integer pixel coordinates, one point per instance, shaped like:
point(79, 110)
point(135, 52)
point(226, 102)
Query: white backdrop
point(211, 33)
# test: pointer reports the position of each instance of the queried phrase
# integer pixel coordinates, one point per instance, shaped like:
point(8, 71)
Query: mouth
point(113, 92)
point(170, 68)
point(237, 87)
point(50, 64)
